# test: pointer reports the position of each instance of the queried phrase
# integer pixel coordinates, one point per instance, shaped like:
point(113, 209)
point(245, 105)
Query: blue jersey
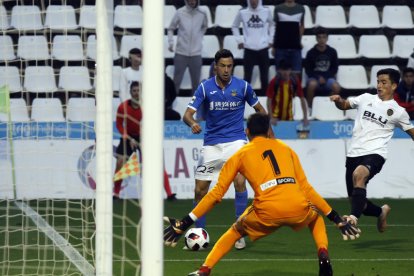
point(224, 109)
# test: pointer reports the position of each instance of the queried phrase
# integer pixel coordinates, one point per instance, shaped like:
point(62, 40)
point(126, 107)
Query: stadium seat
point(255, 82)
point(185, 83)
point(87, 17)
point(308, 18)
point(47, 110)
point(74, 78)
point(128, 16)
point(9, 75)
point(180, 104)
point(206, 9)
point(81, 110)
point(308, 41)
point(350, 114)
point(225, 14)
point(352, 77)
point(60, 17)
point(374, 46)
point(6, 48)
point(39, 79)
point(397, 17)
point(210, 46)
point(67, 47)
point(4, 19)
point(205, 72)
point(402, 46)
point(344, 46)
point(364, 17)
point(33, 47)
point(230, 43)
point(128, 42)
point(297, 109)
point(324, 109)
point(331, 17)
point(26, 18)
point(91, 48)
point(248, 110)
point(169, 11)
point(18, 111)
point(116, 75)
point(374, 70)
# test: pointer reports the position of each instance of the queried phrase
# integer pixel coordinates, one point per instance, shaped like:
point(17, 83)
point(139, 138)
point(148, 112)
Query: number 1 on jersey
point(272, 160)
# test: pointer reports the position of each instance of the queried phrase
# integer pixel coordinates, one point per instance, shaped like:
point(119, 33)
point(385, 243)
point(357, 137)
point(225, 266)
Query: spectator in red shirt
point(404, 95)
point(128, 121)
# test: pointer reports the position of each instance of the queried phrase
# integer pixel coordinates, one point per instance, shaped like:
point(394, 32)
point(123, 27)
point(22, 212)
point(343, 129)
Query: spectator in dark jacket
point(321, 66)
point(170, 95)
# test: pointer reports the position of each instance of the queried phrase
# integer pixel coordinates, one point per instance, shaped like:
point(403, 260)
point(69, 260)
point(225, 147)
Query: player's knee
point(359, 176)
point(200, 192)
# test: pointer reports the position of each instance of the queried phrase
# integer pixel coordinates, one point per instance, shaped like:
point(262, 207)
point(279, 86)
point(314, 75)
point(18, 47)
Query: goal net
point(48, 174)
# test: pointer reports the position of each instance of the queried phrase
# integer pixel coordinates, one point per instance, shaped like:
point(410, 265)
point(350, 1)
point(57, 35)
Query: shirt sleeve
point(198, 98)
point(307, 188)
point(404, 121)
point(235, 28)
point(250, 95)
point(173, 26)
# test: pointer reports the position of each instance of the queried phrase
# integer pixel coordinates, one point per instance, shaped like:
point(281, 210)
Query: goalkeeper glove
point(173, 232)
point(348, 228)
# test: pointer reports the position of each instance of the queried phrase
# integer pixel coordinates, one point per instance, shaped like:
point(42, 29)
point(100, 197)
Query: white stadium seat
point(169, 11)
point(47, 110)
point(397, 17)
point(33, 47)
point(18, 111)
point(81, 110)
point(6, 48)
point(364, 17)
point(4, 19)
point(210, 46)
point(67, 47)
point(128, 16)
point(91, 48)
point(344, 46)
point(206, 9)
point(330, 17)
point(26, 18)
point(308, 18)
point(60, 17)
point(74, 78)
point(128, 42)
point(230, 43)
point(402, 46)
point(324, 109)
point(374, 46)
point(308, 41)
point(87, 17)
point(116, 75)
point(185, 83)
point(352, 77)
point(9, 75)
point(225, 14)
point(39, 79)
point(180, 104)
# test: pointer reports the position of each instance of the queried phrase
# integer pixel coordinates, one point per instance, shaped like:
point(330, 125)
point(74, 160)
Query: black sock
point(359, 199)
point(372, 210)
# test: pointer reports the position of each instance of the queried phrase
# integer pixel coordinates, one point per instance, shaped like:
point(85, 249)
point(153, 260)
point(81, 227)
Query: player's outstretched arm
point(348, 230)
point(173, 232)
point(340, 102)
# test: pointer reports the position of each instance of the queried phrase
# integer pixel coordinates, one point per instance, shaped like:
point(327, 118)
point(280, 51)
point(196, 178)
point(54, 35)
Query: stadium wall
point(56, 160)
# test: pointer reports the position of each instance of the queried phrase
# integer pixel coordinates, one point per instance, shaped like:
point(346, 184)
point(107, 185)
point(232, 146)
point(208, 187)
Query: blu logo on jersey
point(373, 118)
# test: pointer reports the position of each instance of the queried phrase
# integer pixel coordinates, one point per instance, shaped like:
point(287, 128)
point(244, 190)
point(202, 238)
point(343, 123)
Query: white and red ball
point(196, 239)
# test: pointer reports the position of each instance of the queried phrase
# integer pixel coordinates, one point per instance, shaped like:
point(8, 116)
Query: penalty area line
point(73, 255)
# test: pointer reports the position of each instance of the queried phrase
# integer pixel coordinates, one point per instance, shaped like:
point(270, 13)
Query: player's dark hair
point(258, 124)
point(321, 30)
point(135, 51)
point(133, 84)
point(408, 70)
point(392, 73)
point(223, 53)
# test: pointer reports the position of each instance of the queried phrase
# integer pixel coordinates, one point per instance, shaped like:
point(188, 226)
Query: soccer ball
point(196, 239)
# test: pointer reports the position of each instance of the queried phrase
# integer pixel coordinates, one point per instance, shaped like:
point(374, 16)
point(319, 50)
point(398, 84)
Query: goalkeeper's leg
point(318, 230)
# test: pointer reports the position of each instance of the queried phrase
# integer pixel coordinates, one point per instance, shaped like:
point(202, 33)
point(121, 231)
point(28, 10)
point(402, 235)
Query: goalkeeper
point(283, 197)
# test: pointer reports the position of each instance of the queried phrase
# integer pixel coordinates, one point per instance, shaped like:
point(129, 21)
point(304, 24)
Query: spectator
point(170, 95)
point(130, 74)
point(289, 20)
point(191, 23)
point(404, 95)
point(321, 66)
point(280, 92)
point(128, 123)
point(258, 31)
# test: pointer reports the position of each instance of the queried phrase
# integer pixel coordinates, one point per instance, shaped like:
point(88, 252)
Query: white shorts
point(213, 157)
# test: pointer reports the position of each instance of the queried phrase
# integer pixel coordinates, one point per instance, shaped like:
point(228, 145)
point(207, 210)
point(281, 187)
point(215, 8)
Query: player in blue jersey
point(223, 98)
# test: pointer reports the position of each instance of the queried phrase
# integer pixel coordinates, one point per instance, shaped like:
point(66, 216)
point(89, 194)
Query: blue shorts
point(324, 89)
point(293, 56)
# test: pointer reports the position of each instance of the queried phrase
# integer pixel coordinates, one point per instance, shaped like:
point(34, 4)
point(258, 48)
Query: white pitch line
point(73, 255)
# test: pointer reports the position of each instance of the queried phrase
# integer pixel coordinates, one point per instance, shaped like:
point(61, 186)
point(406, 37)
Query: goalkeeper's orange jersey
point(281, 189)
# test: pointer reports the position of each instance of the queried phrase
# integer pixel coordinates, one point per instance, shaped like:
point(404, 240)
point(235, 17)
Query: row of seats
point(63, 17)
point(39, 79)
point(52, 110)
point(70, 47)
point(84, 110)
